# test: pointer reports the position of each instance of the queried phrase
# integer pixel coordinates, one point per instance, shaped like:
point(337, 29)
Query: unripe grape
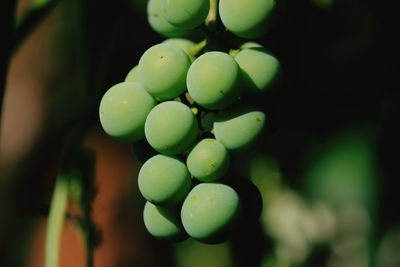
point(211, 212)
point(171, 127)
point(238, 127)
point(213, 80)
point(183, 43)
point(249, 44)
point(133, 75)
point(259, 68)
point(208, 160)
point(159, 24)
point(162, 70)
point(163, 222)
point(123, 111)
point(164, 180)
point(246, 19)
point(187, 14)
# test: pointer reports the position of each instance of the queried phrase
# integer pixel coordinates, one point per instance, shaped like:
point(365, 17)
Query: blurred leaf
point(388, 251)
point(324, 3)
point(191, 253)
point(345, 172)
point(39, 3)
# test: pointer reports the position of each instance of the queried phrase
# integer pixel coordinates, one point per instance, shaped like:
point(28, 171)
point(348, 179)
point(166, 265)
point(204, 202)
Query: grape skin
point(249, 44)
point(159, 24)
point(133, 75)
point(208, 160)
point(163, 222)
point(246, 19)
point(213, 80)
point(171, 127)
point(162, 71)
point(183, 43)
point(123, 111)
point(187, 14)
point(259, 68)
point(238, 127)
point(164, 180)
point(210, 212)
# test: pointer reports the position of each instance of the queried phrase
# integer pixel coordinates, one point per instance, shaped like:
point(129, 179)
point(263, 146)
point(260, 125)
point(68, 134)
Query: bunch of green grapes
point(183, 107)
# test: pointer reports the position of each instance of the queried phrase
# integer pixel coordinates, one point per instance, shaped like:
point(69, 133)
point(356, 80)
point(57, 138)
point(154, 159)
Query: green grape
point(162, 71)
point(212, 80)
point(246, 19)
point(208, 160)
point(259, 68)
point(183, 43)
point(163, 222)
point(123, 111)
point(238, 127)
point(159, 24)
point(133, 75)
point(249, 45)
point(187, 14)
point(164, 180)
point(211, 212)
point(171, 127)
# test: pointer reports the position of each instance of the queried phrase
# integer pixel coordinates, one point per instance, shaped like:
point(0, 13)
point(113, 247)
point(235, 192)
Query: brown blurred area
point(41, 102)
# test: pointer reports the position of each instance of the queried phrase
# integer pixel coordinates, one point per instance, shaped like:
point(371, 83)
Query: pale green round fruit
point(237, 128)
point(164, 180)
point(133, 75)
point(210, 212)
point(208, 161)
point(246, 19)
point(171, 128)
point(162, 71)
point(259, 68)
point(163, 222)
point(249, 44)
point(183, 43)
point(186, 14)
point(213, 80)
point(159, 24)
point(123, 111)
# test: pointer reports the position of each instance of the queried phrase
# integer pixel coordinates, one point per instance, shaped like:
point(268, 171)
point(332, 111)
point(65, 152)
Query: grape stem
point(234, 52)
point(212, 14)
point(194, 49)
point(58, 207)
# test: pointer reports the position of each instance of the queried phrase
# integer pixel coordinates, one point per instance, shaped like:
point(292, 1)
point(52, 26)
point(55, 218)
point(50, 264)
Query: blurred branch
point(82, 192)
point(58, 207)
point(30, 19)
point(17, 31)
point(7, 10)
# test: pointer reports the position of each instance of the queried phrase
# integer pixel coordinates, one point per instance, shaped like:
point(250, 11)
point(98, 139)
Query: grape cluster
point(190, 107)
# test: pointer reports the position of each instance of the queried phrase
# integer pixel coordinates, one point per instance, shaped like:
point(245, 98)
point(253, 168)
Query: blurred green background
point(327, 168)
